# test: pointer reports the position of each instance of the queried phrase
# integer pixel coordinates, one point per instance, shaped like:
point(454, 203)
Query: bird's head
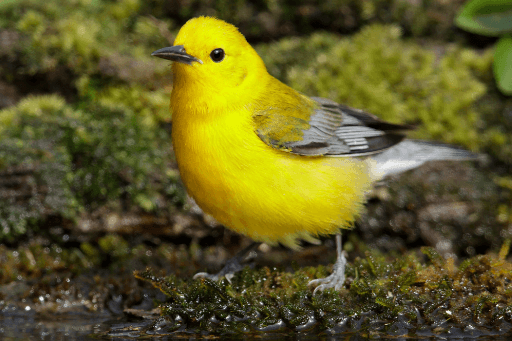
point(212, 58)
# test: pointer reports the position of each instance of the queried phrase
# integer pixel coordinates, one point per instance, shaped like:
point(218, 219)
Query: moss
point(74, 34)
point(271, 19)
point(380, 297)
point(50, 257)
point(58, 44)
point(114, 245)
point(32, 261)
point(82, 158)
point(150, 106)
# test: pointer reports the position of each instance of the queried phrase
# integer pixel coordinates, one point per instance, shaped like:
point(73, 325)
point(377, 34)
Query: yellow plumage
point(267, 194)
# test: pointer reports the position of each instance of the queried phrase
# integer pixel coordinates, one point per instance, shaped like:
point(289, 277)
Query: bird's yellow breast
point(267, 194)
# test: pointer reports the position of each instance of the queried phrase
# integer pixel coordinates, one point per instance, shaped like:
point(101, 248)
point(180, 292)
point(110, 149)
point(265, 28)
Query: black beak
point(176, 54)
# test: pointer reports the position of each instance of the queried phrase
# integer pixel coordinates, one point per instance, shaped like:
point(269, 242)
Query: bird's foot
point(233, 265)
point(334, 280)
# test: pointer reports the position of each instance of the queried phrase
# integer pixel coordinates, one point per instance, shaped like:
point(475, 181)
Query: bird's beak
point(176, 54)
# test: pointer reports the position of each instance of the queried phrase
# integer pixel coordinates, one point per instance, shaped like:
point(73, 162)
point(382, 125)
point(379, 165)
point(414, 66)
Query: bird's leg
point(232, 266)
point(337, 278)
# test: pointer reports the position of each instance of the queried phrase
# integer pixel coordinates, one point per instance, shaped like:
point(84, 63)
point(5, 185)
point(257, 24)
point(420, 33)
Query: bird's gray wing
point(327, 128)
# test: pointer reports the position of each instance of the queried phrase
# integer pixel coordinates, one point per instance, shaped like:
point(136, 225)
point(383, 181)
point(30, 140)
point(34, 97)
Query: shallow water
point(64, 328)
point(27, 327)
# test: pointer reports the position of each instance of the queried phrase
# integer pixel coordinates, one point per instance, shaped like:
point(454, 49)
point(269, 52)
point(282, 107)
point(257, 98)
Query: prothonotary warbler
point(268, 161)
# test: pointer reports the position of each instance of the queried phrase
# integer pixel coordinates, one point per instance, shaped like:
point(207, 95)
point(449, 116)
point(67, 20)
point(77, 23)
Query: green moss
point(32, 261)
point(114, 245)
point(88, 157)
point(68, 40)
point(150, 106)
point(382, 296)
point(44, 257)
point(91, 253)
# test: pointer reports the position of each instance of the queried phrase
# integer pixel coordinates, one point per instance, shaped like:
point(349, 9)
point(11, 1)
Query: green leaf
point(502, 66)
point(486, 17)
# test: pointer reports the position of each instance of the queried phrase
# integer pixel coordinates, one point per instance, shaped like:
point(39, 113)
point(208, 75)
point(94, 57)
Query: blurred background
point(88, 182)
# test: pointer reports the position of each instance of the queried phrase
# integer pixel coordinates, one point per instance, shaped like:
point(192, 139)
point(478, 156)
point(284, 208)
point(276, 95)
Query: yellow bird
point(268, 161)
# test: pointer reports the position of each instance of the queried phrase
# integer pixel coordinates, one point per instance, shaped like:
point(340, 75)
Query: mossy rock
point(81, 159)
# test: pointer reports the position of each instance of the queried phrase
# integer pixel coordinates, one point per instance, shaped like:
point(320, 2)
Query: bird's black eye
point(217, 55)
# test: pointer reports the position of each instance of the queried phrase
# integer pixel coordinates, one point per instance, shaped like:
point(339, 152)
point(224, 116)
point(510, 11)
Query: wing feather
point(330, 129)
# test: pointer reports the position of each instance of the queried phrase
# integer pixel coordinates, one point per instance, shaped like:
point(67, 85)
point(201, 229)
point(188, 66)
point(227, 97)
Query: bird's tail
point(410, 154)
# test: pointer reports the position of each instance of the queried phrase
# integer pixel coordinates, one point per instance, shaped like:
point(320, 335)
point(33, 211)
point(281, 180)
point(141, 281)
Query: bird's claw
point(334, 280)
point(213, 277)
point(217, 276)
point(232, 266)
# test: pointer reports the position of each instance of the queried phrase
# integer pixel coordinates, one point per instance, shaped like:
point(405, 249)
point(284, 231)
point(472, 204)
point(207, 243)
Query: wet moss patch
point(405, 296)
